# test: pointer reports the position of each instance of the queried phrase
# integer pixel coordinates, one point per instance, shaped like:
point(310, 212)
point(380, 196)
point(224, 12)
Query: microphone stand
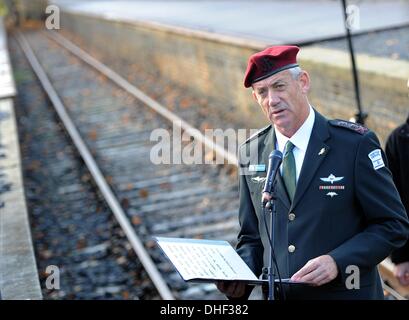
point(270, 206)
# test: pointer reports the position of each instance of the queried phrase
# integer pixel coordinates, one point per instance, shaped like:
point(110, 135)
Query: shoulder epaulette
point(358, 128)
point(257, 134)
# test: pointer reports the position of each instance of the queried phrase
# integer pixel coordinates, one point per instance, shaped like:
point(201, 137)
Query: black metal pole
point(270, 206)
point(271, 278)
point(360, 116)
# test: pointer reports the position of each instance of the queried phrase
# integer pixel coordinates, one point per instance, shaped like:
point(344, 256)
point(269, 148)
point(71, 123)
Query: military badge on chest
point(257, 169)
point(332, 185)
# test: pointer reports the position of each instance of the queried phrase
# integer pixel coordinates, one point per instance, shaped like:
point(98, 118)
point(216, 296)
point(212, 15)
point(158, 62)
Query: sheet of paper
point(205, 259)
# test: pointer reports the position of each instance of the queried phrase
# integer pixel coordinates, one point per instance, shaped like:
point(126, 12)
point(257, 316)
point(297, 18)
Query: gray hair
point(295, 72)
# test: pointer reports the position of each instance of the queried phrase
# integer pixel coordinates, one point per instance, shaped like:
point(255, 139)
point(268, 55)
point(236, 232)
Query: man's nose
point(273, 99)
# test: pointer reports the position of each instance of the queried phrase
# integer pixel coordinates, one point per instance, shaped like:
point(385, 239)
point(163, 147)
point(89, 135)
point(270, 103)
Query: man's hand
point(318, 271)
point(233, 289)
point(402, 273)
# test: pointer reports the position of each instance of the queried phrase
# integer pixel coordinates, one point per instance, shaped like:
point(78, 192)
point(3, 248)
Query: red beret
point(264, 64)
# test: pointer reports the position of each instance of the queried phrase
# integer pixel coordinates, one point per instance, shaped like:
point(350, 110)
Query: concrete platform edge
point(18, 270)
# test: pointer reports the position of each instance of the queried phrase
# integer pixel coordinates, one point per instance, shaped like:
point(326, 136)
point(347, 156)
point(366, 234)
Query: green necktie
point(289, 169)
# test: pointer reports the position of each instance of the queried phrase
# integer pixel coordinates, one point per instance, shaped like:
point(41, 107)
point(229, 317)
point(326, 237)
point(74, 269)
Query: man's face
point(283, 100)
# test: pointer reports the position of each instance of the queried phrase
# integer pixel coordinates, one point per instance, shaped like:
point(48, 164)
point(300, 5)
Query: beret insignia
point(267, 64)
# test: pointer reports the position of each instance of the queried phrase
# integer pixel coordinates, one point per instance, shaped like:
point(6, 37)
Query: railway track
point(195, 201)
point(64, 206)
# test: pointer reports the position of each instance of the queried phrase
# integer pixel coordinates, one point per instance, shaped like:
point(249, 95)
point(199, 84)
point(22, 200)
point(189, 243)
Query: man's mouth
point(277, 112)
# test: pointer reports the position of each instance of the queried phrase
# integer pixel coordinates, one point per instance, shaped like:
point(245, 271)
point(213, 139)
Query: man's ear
point(305, 82)
point(254, 95)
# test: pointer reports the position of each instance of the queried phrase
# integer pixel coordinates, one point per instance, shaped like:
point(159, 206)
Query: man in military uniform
point(338, 210)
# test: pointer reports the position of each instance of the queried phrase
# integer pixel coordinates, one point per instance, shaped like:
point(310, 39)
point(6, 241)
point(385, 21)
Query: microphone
point(274, 161)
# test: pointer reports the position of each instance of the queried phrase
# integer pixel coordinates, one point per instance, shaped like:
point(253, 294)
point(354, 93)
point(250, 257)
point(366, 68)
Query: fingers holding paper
point(233, 289)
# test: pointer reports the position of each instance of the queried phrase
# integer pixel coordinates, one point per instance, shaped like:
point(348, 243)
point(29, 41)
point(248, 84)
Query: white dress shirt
point(300, 141)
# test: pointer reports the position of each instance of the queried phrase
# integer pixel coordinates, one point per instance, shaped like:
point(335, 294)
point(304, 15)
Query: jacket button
point(291, 248)
point(291, 216)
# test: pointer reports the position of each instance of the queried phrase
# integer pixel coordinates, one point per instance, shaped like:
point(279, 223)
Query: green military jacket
point(345, 205)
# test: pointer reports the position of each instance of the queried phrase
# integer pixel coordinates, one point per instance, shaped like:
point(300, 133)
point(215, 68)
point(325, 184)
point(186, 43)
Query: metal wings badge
point(331, 188)
point(258, 179)
point(331, 178)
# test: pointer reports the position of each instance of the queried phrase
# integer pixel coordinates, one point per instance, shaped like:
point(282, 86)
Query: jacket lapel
point(314, 156)
point(270, 145)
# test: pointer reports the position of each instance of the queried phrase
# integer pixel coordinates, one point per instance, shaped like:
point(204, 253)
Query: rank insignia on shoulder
point(349, 125)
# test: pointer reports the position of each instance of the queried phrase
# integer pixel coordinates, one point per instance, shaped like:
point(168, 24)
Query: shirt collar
point(301, 138)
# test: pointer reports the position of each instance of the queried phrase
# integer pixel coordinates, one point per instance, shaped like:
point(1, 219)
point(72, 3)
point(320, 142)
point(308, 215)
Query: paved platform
point(7, 87)
point(274, 22)
point(18, 270)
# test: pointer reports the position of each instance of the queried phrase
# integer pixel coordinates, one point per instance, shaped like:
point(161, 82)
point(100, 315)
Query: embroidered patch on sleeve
point(376, 158)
